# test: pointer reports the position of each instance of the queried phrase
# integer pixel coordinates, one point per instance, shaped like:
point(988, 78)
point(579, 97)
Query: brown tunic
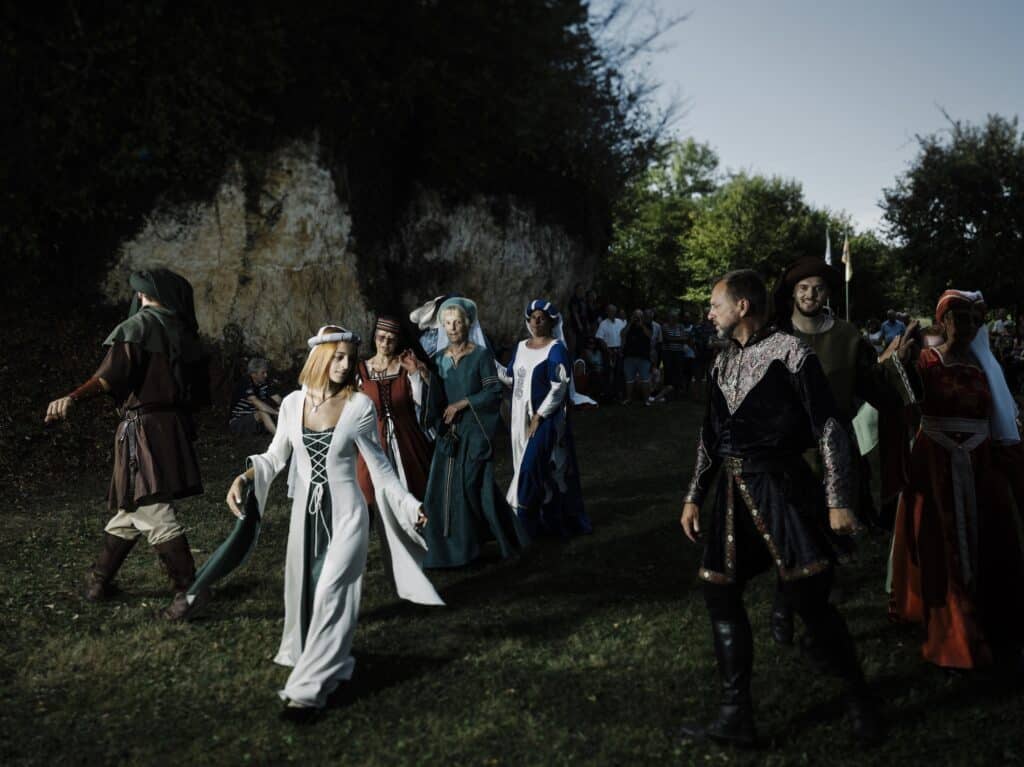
point(158, 425)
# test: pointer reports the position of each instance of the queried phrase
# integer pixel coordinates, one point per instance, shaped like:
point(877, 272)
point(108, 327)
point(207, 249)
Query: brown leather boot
point(98, 581)
point(181, 609)
point(176, 557)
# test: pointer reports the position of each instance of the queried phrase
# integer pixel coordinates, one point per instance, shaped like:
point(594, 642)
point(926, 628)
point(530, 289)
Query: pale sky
point(832, 93)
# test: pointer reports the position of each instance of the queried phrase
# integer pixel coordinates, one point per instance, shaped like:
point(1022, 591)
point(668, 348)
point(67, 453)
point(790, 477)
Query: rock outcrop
point(275, 263)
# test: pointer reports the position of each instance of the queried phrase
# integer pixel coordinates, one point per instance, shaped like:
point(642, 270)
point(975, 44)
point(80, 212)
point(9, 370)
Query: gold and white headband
point(323, 337)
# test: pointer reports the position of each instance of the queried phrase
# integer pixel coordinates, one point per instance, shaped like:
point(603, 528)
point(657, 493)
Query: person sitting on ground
point(253, 407)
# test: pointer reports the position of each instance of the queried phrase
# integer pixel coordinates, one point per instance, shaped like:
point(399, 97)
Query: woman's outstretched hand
point(235, 495)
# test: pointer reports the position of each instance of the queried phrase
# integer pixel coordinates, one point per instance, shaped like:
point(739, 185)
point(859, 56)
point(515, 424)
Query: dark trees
point(958, 212)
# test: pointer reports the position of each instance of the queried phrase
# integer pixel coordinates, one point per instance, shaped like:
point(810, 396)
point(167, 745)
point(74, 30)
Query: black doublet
point(769, 402)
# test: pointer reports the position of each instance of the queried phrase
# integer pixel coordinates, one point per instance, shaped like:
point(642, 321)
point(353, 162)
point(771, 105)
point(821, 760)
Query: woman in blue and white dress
point(545, 489)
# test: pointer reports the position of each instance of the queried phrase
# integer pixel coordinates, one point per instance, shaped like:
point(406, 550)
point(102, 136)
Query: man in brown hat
point(856, 374)
point(148, 370)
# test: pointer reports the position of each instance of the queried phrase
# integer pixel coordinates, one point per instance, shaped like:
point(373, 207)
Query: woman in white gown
point(321, 427)
point(545, 489)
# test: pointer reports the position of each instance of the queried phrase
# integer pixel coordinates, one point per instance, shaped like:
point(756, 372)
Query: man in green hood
point(148, 370)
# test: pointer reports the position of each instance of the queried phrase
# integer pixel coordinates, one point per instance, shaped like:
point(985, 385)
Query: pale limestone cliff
point(285, 263)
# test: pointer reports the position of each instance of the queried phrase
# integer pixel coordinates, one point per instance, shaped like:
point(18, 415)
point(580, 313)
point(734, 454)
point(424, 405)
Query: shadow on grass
point(378, 672)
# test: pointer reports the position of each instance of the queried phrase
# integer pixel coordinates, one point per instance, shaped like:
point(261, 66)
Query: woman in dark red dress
point(391, 380)
point(956, 551)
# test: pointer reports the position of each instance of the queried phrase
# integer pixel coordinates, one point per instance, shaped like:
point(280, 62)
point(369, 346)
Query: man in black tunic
point(769, 401)
point(147, 370)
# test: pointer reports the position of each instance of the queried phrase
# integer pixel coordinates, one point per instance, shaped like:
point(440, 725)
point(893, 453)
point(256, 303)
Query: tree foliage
point(682, 224)
point(655, 213)
point(958, 212)
point(120, 106)
point(754, 222)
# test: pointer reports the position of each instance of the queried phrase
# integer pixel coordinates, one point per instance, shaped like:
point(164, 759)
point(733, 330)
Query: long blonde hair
point(315, 374)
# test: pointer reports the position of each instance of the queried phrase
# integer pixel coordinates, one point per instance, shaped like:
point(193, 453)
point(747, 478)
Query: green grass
point(585, 653)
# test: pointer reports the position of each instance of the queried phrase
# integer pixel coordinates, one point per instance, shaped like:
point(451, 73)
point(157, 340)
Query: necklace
point(316, 406)
point(379, 371)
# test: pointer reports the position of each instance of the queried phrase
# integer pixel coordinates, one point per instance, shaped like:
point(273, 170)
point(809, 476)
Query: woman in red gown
point(956, 550)
point(391, 380)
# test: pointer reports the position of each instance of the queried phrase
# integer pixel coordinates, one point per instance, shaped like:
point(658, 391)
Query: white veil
point(1003, 422)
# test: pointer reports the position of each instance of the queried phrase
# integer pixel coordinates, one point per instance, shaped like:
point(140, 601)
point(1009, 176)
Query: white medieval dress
point(328, 536)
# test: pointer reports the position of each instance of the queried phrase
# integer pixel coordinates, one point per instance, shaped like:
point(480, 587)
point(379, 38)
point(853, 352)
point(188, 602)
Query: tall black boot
point(782, 619)
point(99, 579)
point(734, 650)
point(832, 650)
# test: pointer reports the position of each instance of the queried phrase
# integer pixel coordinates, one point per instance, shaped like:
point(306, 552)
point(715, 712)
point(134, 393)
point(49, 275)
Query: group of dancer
point(408, 439)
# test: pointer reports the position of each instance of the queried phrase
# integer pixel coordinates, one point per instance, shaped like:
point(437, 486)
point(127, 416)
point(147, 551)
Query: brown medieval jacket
point(154, 457)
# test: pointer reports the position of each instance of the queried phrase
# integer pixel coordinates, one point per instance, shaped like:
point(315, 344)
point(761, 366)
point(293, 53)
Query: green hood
point(169, 329)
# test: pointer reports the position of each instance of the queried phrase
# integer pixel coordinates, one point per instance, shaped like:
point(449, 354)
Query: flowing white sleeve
point(268, 465)
point(555, 398)
point(391, 494)
point(416, 387)
point(503, 374)
point(399, 511)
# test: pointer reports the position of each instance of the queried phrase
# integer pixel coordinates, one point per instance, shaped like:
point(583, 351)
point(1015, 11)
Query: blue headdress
point(545, 306)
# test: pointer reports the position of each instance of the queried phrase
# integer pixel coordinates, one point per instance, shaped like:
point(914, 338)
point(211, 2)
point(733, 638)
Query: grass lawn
point(585, 653)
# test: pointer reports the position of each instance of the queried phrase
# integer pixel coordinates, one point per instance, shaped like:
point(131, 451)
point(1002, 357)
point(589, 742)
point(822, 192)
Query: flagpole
point(847, 271)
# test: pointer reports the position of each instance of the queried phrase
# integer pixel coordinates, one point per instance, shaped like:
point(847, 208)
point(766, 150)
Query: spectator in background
point(253, 408)
point(593, 381)
point(609, 339)
point(636, 356)
point(594, 316)
point(674, 357)
point(578, 326)
point(701, 342)
point(873, 331)
point(891, 328)
point(1000, 325)
point(656, 337)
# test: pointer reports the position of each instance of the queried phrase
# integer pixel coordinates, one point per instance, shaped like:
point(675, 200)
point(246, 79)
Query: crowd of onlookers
point(1007, 338)
point(647, 355)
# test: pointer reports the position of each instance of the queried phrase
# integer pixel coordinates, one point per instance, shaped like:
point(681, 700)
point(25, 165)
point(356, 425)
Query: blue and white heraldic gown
point(545, 489)
point(327, 540)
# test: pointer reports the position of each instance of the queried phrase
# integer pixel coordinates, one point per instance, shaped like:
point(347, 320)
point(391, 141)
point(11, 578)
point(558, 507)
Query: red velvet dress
point(404, 442)
point(963, 618)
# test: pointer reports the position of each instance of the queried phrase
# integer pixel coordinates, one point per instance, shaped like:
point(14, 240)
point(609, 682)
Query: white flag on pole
point(846, 257)
point(828, 248)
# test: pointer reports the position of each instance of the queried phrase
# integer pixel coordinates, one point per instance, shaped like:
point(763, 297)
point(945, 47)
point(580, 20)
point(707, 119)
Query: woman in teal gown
point(463, 503)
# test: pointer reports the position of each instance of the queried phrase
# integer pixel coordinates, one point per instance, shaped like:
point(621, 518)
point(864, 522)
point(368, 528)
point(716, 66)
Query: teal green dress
point(463, 504)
